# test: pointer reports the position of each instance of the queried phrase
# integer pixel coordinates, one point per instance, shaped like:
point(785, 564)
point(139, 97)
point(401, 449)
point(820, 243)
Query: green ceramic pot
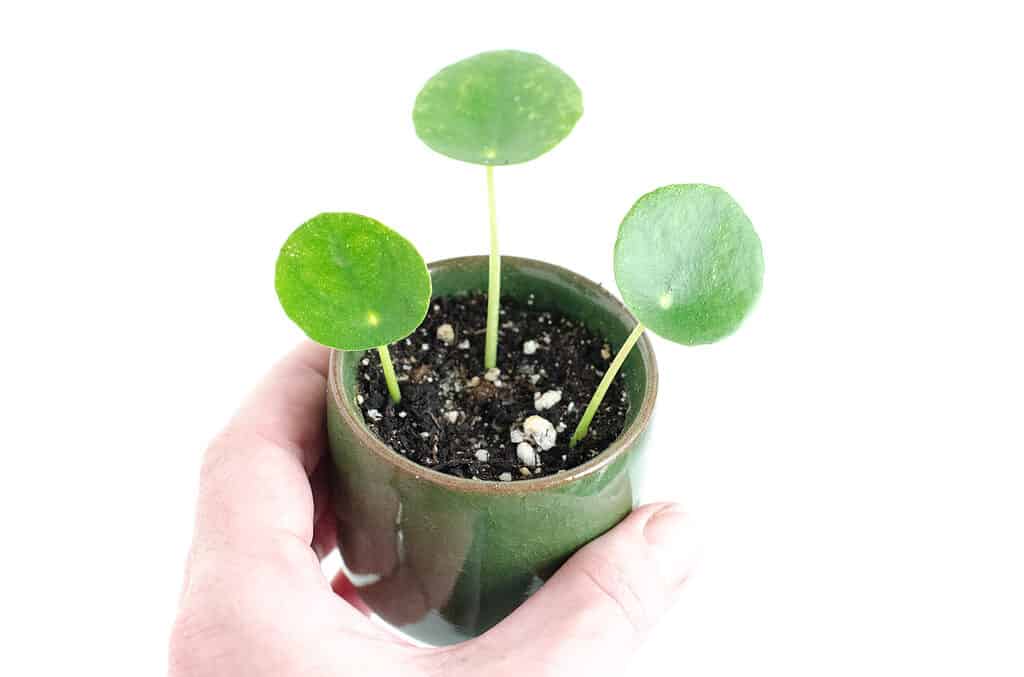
point(441, 558)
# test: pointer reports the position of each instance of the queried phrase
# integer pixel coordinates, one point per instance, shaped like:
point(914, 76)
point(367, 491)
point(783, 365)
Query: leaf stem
point(389, 373)
point(493, 282)
point(606, 382)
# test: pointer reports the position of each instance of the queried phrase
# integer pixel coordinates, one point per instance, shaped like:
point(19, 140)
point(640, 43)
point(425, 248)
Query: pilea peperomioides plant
point(426, 481)
point(497, 108)
point(352, 283)
point(688, 263)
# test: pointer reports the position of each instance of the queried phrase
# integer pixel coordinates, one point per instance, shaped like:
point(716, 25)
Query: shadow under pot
point(441, 558)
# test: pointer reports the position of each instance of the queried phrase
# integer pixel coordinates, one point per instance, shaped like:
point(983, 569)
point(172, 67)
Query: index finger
point(254, 484)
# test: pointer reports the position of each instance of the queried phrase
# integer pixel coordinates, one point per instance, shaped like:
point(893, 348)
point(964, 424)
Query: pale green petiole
point(493, 282)
point(389, 373)
point(606, 382)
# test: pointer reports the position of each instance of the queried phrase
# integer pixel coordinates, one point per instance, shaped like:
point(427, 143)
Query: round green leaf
point(688, 263)
point(497, 108)
point(352, 283)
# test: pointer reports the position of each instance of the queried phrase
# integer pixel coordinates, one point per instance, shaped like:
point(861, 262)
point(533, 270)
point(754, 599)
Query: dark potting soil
point(456, 418)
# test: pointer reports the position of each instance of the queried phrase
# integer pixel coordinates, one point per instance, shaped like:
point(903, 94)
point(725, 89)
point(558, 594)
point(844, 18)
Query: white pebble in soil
point(526, 455)
point(482, 455)
point(529, 347)
point(492, 374)
point(547, 400)
point(560, 428)
point(464, 344)
point(446, 334)
point(505, 477)
point(515, 436)
point(540, 430)
point(452, 416)
point(374, 415)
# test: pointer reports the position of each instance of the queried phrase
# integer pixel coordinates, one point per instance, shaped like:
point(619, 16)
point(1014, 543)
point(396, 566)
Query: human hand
point(255, 600)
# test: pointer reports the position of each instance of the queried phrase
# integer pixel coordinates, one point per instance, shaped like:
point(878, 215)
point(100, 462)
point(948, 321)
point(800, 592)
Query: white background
point(853, 454)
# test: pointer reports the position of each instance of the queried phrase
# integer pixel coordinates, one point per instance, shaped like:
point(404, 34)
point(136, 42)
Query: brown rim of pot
point(623, 442)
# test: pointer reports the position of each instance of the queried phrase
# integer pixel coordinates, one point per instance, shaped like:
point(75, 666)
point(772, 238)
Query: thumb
point(595, 611)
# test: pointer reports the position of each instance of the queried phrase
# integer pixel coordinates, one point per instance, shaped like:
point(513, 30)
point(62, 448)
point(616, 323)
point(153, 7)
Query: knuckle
point(288, 554)
point(217, 454)
point(191, 636)
point(615, 589)
point(213, 629)
point(212, 469)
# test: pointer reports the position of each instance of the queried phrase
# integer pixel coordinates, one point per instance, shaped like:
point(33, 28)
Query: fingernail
point(671, 534)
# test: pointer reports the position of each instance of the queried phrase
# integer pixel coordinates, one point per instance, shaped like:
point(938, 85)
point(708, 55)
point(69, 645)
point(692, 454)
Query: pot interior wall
point(552, 292)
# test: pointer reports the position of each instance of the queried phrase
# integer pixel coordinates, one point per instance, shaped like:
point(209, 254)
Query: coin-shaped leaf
point(688, 263)
point(497, 108)
point(352, 283)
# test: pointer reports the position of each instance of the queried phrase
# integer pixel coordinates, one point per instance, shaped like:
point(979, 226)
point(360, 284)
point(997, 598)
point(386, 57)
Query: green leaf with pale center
point(497, 108)
point(688, 263)
point(352, 283)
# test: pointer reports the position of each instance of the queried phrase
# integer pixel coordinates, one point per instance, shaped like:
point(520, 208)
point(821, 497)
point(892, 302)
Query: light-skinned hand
point(256, 602)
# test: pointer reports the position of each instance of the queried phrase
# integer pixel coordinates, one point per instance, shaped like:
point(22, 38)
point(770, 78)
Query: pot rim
point(621, 445)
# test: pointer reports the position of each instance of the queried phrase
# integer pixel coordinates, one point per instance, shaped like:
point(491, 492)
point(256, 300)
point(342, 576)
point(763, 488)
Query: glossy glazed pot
point(442, 558)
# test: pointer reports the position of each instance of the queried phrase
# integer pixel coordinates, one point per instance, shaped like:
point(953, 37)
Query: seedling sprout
point(352, 283)
point(688, 263)
point(496, 108)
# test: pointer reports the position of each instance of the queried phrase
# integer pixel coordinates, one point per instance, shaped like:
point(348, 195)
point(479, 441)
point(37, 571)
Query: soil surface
point(510, 425)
